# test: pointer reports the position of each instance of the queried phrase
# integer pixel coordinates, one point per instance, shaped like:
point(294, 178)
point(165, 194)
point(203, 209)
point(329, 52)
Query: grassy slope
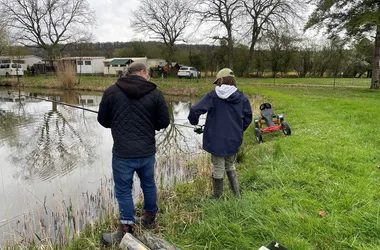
point(328, 164)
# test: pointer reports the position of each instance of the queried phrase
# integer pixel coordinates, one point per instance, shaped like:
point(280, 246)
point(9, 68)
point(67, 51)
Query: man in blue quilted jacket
point(134, 109)
point(229, 114)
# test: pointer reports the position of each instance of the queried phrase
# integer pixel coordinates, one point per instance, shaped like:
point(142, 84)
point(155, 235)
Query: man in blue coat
point(229, 114)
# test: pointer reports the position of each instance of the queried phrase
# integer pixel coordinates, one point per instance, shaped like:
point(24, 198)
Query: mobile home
point(24, 61)
point(116, 66)
point(86, 65)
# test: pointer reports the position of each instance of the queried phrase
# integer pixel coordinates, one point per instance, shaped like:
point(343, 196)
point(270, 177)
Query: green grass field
point(328, 166)
point(315, 189)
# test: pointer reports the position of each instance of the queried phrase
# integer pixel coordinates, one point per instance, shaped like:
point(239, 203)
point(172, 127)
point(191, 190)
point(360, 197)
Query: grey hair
point(135, 67)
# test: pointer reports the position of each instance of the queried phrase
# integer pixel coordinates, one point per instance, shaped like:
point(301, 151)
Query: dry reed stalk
point(66, 72)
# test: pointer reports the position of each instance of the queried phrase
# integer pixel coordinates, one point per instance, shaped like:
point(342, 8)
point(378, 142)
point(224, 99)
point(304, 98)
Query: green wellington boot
point(218, 187)
point(234, 184)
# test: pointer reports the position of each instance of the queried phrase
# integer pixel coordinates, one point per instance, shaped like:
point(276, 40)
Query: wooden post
point(131, 243)
point(156, 243)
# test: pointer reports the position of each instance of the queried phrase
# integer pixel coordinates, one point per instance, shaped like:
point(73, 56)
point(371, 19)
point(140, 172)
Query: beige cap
point(224, 73)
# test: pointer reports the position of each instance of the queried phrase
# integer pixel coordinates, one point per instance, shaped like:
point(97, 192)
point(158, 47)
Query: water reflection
point(56, 162)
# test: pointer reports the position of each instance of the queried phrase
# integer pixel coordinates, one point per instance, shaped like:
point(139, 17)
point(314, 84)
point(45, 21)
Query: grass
point(313, 190)
point(317, 189)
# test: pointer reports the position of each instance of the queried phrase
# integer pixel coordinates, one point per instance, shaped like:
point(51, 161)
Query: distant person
point(151, 71)
point(33, 70)
point(134, 109)
point(229, 114)
point(166, 70)
point(28, 70)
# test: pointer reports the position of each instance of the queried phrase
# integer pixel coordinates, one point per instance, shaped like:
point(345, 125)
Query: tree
point(3, 38)
point(165, 20)
point(196, 60)
point(321, 60)
point(137, 49)
point(266, 16)
point(281, 46)
point(303, 59)
point(223, 12)
point(47, 23)
point(357, 18)
point(365, 50)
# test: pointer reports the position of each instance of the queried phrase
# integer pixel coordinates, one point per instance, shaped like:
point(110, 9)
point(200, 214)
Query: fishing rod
point(94, 111)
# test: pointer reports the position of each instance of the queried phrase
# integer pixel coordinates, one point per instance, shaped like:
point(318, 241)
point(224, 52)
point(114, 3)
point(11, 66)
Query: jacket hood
point(135, 86)
point(229, 93)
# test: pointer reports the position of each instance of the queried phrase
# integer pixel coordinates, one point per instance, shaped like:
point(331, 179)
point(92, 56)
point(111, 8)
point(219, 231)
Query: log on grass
point(131, 243)
point(156, 243)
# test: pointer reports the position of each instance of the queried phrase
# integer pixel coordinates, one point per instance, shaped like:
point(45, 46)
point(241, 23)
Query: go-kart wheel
point(286, 128)
point(258, 135)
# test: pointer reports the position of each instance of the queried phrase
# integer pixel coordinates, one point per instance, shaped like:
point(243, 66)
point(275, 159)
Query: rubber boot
point(116, 237)
point(148, 220)
point(218, 187)
point(234, 184)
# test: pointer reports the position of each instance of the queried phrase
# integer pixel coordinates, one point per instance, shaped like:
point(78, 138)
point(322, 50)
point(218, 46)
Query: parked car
point(188, 72)
point(11, 69)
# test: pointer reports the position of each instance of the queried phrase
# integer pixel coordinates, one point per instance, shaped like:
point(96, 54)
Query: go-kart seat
point(267, 113)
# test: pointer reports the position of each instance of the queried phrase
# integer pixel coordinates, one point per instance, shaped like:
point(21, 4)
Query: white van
point(11, 69)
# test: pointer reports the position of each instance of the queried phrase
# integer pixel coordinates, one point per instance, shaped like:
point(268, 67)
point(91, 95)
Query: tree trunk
point(375, 82)
point(50, 54)
point(230, 49)
point(255, 33)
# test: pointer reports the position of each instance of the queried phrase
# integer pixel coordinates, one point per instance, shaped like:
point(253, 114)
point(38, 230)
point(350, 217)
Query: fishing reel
point(198, 129)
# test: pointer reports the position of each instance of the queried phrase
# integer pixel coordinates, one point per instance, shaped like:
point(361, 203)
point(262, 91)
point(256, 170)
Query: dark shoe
point(218, 187)
point(116, 237)
point(148, 220)
point(234, 184)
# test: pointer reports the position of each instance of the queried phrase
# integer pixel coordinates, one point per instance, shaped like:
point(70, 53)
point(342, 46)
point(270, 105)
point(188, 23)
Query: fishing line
point(86, 109)
point(62, 103)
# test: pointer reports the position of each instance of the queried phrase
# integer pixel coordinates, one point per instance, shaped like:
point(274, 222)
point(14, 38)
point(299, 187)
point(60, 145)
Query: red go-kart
point(269, 122)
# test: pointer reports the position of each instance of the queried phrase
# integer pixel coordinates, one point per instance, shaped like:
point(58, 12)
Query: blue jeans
point(123, 171)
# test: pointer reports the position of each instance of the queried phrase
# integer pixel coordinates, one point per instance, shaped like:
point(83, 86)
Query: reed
point(56, 227)
point(66, 73)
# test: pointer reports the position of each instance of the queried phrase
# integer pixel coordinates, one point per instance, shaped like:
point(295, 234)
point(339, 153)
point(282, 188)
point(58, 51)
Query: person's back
point(224, 128)
point(229, 114)
point(133, 108)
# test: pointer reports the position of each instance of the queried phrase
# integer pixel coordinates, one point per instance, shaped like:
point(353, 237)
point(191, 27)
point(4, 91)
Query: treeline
point(281, 57)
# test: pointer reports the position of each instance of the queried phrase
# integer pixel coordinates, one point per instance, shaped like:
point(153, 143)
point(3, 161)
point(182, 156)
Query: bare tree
point(282, 46)
point(223, 12)
point(47, 23)
point(3, 36)
point(165, 20)
point(267, 15)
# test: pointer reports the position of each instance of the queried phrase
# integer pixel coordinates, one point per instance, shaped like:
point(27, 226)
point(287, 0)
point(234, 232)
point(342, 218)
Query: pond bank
point(175, 87)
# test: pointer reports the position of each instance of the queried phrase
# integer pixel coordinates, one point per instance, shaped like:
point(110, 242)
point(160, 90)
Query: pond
point(56, 162)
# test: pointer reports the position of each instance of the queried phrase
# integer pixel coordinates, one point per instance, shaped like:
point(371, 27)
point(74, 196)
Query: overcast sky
point(112, 19)
point(113, 23)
